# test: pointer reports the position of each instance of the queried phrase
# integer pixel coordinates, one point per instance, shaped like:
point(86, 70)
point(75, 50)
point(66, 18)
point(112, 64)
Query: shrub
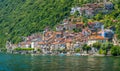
point(106, 47)
point(101, 51)
point(115, 50)
point(39, 50)
point(3, 50)
point(86, 47)
point(97, 45)
point(23, 49)
point(77, 50)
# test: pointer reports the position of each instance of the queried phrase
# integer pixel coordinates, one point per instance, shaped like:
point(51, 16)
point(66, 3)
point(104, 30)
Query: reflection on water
point(10, 62)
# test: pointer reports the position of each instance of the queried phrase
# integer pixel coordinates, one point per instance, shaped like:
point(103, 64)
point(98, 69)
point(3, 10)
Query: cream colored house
point(96, 38)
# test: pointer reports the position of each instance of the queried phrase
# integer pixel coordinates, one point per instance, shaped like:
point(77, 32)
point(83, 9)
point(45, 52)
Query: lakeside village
point(71, 36)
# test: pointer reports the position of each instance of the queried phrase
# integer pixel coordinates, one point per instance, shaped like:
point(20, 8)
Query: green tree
point(77, 50)
point(86, 48)
point(97, 45)
point(76, 14)
point(98, 16)
point(106, 47)
point(115, 50)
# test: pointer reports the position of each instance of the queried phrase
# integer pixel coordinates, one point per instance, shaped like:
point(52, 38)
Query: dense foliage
point(24, 49)
point(115, 50)
point(23, 17)
point(107, 48)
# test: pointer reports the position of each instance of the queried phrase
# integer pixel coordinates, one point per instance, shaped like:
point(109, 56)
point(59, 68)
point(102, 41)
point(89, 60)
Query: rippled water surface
point(11, 62)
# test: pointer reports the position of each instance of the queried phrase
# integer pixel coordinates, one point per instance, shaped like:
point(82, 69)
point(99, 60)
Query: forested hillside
point(23, 17)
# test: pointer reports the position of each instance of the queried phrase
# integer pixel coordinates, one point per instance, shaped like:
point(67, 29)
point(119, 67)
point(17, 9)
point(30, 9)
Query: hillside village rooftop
point(66, 37)
point(71, 33)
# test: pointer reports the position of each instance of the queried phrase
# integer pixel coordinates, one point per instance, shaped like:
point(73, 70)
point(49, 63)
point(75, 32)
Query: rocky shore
point(35, 53)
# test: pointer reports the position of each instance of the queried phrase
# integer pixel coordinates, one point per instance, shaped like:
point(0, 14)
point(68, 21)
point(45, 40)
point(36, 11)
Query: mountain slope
point(24, 17)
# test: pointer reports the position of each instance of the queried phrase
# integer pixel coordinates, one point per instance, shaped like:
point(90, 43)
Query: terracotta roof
point(58, 32)
point(100, 32)
point(59, 39)
point(68, 40)
point(94, 33)
point(55, 43)
point(96, 37)
point(24, 43)
point(41, 42)
point(49, 32)
point(91, 23)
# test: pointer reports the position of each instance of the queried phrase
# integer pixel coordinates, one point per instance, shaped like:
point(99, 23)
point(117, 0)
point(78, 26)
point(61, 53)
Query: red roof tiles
point(96, 37)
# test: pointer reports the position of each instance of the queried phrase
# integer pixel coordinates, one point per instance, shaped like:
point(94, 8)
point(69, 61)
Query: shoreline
point(59, 54)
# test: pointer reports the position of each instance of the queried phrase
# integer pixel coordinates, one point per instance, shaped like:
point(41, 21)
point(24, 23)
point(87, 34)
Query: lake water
point(12, 62)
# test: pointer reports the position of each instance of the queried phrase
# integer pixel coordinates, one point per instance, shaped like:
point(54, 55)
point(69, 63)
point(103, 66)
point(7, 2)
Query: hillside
point(23, 17)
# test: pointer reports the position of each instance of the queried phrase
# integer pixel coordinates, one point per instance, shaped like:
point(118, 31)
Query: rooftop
point(96, 37)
